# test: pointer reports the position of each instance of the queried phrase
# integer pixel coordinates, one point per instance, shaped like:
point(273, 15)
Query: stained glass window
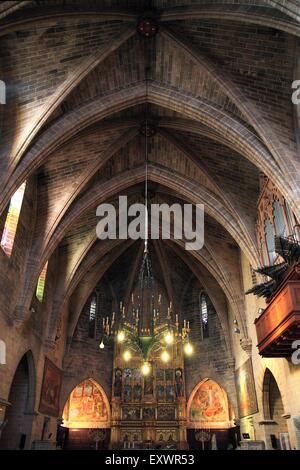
point(204, 315)
point(41, 283)
point(11, 223)
point(92, 316)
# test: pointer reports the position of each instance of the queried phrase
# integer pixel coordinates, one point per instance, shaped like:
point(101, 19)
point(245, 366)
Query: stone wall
point(211, 358)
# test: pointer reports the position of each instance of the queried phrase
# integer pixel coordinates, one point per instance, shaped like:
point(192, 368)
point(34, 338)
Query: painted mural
point(246, 390)
point(52, 378)
point(209, 404)
point(86, 407)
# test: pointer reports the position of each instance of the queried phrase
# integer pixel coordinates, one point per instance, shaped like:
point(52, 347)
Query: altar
point(149, 411)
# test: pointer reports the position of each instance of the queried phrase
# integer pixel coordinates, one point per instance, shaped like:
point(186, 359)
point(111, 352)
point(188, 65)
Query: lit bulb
point(146, 368)
point(121, 337)
point(188, 349)
point(169, 338)
point(165, 356)
point(127, 355)
point(101, 345)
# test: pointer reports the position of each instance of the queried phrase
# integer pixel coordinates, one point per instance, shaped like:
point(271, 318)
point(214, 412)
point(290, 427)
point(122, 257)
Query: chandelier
point(143, 328)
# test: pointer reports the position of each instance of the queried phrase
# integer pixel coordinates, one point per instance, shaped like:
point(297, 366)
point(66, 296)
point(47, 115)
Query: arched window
point(12, 218)
point(40, 288)
point(270, 241)
point(204, 316)
point(92, 316)
point(279, 219)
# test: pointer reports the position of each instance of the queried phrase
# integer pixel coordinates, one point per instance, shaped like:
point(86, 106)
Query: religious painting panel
point(166, 435)
point(169, 375)
point(166, 413)
point(137, 392)
point(160, 393)
point(50, 392)
point(86, 407)
point(170, 393)
point(209, 404)
point(127, 374)
point(160, 375)
point(127, 393)
point(131, 435)
point(247, 400)
point(149, 413)
point(136, 375)
point(130, 413)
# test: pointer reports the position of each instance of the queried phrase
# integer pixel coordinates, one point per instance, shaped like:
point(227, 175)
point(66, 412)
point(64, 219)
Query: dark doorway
point(17, 431)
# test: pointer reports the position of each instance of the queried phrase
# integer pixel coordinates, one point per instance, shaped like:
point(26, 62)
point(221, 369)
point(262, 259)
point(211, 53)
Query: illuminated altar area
point(148, 406)
point(148, 389)
point(149, 410)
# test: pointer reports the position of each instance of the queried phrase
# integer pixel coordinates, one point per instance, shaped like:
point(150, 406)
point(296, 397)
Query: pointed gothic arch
point(87, 406)
point(209, 407)
point(19, 414)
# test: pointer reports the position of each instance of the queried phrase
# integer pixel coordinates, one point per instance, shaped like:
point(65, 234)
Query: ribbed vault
point(71, 129)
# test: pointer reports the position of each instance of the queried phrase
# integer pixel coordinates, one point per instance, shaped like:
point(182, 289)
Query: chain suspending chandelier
point(144, 328)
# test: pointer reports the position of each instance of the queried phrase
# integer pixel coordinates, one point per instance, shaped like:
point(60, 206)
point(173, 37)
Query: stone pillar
point(182, 420)
point(115, 423)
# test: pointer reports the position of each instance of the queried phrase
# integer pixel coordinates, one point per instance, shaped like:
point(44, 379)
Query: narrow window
point(204, 316)
point(40, 288)
point(12, 218)
point(92, 316)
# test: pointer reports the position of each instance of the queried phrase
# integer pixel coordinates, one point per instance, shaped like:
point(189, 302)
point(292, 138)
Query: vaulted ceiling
point(216, 82)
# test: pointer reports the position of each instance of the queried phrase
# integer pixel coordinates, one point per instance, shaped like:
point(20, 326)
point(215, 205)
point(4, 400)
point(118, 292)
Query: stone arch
point(96, 195)
point(273, 409)
point(88, 398)
point(249, 146)
point(270, 386)
point(213, 411)
point(19, 414)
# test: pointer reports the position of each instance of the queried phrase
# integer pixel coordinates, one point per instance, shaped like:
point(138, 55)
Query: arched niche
point(17, 429)
point(87, 407)
point(208, 407)
point(274, 413)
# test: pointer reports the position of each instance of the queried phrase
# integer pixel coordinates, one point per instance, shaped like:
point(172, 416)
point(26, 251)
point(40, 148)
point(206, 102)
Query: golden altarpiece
point(148, 390)
point(148, 409)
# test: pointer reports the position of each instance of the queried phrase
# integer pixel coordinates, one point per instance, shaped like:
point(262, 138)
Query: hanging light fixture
point(144, 327)
point(188, 349)
point(146, 368)
point(121, 336)
point(127, 355)
point(169, 338)
point(165, 356)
